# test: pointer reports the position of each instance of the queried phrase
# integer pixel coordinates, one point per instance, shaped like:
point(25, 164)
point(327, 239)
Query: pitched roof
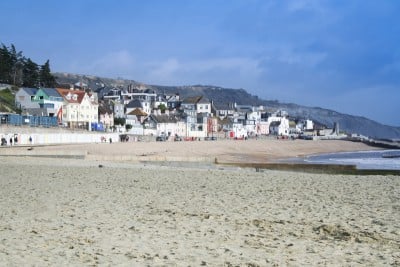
point(172, 98)
point(51, 92)
point(161, 98)
point(30, 91)
point(79, 95)
point(203, 100)
point(223, 106)
point(192, 99)
point(137, 112)
point(134, 104)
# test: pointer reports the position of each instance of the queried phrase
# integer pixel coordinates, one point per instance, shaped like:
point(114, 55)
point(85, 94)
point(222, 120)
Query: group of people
point(104, 140)
point(11, 141)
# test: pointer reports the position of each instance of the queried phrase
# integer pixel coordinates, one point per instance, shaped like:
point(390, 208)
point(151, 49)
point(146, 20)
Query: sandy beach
point(113, 208)
point(261, 151)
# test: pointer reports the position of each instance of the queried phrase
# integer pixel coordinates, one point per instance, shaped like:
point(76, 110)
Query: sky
point(342, 55)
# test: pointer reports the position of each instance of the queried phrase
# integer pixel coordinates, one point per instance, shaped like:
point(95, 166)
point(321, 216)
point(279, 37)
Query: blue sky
point(340, 54)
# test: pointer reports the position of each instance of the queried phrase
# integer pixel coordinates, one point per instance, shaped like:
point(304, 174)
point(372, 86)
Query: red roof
point(79, 95)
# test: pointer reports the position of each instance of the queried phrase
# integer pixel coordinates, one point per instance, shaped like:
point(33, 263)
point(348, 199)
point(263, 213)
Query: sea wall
point(41, 138)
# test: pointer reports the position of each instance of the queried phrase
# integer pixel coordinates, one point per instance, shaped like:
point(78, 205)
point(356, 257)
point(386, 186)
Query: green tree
point(17, 70)
point(128, 127)
point(30, 74)
point(5, 64)
point(45, 76)
point(119, 121)
point(162, 107)
point(17, 63)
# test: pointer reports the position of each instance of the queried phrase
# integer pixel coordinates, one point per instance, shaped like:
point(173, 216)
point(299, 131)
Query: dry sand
point(75, 212)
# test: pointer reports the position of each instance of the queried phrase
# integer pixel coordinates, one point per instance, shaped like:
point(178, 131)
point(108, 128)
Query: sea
point(372, 160)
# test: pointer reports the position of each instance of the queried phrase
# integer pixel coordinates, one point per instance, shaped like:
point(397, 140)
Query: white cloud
point(173, 71)
point(112, 63)
point(166, 70)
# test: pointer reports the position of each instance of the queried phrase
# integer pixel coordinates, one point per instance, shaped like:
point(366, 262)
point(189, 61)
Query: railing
point(35, 121)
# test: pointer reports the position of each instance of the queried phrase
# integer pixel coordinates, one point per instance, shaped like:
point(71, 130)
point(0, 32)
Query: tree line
point(19, 70)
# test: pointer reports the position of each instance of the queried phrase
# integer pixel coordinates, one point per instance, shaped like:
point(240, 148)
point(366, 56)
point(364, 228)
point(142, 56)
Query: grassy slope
point(7, 101)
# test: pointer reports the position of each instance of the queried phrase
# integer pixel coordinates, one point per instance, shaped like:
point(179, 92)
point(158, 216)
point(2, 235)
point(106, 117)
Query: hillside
point(7, 103)
point(347, 123)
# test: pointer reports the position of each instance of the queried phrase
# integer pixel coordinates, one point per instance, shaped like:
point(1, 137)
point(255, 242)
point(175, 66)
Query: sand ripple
point(75, 213)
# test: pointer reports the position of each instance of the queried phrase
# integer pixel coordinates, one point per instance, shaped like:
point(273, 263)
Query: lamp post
point(77, 119)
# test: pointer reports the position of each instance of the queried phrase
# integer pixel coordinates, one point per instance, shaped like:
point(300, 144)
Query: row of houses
point(73, 108)
point(148, 113)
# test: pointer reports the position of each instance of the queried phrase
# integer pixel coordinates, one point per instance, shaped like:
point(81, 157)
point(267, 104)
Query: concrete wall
point(39, 138)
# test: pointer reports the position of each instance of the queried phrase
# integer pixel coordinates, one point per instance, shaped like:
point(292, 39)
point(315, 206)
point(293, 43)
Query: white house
point(203, 106)
point(164, 124)
point(79, 109)
point(199, 129)
point(279, 127)
point(305, 125)
point(223, 110)
point(173, 101)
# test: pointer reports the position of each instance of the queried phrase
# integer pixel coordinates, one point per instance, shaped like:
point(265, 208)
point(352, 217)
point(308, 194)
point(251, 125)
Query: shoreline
point(259, 151)
point(257, 154)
